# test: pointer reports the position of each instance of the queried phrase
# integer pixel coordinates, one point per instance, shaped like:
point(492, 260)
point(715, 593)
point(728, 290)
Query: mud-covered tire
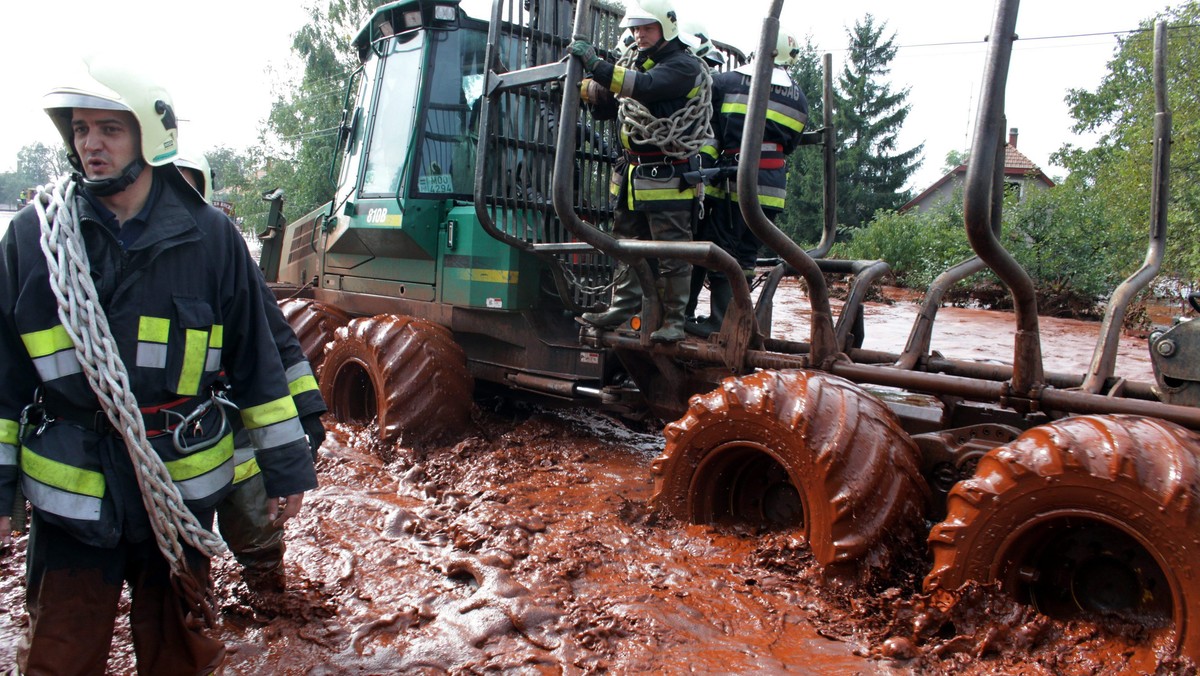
point(796, 449)
point(1092, 515)
point(405, 374)
point(314, 323)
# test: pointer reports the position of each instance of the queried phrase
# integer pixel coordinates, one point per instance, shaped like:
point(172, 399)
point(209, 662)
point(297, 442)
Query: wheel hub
point(743, 484)
point(1076, 568)
point(353, 397)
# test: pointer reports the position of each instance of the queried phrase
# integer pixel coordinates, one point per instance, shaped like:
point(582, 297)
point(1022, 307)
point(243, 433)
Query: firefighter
point(787, 113)
point(180, 300)
point(696, 37)
point(256, 541)
point(654, 201)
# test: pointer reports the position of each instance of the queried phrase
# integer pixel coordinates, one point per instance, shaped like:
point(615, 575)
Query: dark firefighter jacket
point(787, 113)
point(663, 79)
point(183, 303)
point(301, 382)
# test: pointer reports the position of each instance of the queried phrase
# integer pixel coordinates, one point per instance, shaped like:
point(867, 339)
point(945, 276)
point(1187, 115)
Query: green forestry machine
point(471, 224)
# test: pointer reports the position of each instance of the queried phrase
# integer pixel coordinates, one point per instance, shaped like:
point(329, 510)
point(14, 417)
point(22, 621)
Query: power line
point(961, 43)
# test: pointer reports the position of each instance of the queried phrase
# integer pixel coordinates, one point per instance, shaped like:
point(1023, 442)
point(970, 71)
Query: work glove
point(585, 52)
point(315, 430)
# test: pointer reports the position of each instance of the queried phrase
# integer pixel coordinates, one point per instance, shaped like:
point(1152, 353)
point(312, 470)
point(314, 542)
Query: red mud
point(527, 547)
point(969, 334)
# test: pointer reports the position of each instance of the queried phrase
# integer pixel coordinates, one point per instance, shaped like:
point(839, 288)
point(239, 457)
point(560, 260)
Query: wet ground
point(527, 547)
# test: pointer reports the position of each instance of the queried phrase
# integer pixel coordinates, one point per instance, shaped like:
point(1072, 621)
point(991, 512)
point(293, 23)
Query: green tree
point(871, 168)
point(11, 186)
point(303, 123)
point(38, 163)
point(1071, 246)
point(956, 159)
point(802, 218)
point(231, 169)
point(918, 245)
point(1122, 108)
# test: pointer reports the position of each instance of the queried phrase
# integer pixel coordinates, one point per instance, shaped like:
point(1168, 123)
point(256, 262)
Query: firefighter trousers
point(256, 543)
point(72, 596)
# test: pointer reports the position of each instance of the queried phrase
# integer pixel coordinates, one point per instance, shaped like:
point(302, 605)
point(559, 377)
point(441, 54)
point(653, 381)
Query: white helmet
point(109, 84)
point(199, 165)
point(786, 49)
point(695, 36)
point(624, 43)
point(644, 12)
point(714, 57)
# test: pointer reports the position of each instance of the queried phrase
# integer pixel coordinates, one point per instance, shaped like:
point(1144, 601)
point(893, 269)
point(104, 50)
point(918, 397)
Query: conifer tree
point(871, 168)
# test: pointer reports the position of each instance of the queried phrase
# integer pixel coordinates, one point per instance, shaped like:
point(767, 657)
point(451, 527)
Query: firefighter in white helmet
point(197, 172)
point(653, 199)
point(255, 540)
point(181, 297)
point(787, 113)
point(696, 37)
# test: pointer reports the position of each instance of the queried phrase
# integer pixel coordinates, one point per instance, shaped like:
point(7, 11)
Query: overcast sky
point(224, 60)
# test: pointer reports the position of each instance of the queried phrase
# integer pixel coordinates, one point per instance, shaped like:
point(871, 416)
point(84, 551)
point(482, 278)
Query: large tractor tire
point(796, 449)
point(314, 323)
point(1085, 517)
point(405, 374)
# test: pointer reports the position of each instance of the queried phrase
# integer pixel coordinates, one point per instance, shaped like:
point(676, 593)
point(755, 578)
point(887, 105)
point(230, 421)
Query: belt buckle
point(100, 421)
point(151, 426)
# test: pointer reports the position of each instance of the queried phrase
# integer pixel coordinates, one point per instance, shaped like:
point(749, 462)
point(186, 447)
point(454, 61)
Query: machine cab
point(401, 222)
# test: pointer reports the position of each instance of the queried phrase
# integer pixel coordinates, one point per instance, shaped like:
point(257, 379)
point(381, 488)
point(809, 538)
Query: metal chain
point(82, 316)
point(577, 282)
point(679, 135)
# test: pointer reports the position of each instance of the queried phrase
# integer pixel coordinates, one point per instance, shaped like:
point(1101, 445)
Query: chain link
point(679, 135)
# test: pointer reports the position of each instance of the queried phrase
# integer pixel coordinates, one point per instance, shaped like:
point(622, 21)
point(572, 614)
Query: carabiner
point(193, 420)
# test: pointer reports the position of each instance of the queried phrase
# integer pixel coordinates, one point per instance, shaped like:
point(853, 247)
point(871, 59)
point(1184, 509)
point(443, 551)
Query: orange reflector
point(635, 322)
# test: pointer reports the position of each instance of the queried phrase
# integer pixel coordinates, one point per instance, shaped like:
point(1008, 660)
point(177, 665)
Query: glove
point(315, 430)
point(585, 52)
point(590, 91)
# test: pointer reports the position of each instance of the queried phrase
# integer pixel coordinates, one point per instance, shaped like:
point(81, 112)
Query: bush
point(917, 245)
point(1072, 251)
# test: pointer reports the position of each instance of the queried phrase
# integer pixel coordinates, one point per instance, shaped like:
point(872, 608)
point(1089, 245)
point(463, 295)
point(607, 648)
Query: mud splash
point(528, 547)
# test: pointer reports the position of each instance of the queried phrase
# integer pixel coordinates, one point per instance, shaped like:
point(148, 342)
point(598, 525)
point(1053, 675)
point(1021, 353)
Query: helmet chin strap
point(654, 47)
point(111, 186)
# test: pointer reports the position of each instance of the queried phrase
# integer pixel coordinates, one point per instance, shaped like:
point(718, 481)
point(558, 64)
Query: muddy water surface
point(527, 548)
point(969, 334)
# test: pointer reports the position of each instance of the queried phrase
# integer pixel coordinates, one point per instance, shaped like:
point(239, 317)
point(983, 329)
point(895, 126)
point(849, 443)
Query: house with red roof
point(1020, 175)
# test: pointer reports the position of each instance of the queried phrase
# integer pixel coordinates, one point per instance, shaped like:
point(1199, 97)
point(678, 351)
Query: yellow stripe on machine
point(492, 276)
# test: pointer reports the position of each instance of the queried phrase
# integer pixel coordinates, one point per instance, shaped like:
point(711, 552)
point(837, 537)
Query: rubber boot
point(626, 301)
point(720, 295)
point(698, 274)
point(675, 298)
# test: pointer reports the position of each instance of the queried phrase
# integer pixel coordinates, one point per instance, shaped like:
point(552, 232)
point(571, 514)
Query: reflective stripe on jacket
point(183, 303)
point(787, 114)
point(8, 444)
point(663, 79)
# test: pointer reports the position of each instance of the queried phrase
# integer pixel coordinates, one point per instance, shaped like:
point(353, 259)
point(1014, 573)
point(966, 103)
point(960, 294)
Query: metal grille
point(520, 127)
point(301, 242)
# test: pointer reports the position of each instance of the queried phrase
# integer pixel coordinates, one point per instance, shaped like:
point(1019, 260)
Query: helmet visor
point(632, 21)
point(76, 99)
